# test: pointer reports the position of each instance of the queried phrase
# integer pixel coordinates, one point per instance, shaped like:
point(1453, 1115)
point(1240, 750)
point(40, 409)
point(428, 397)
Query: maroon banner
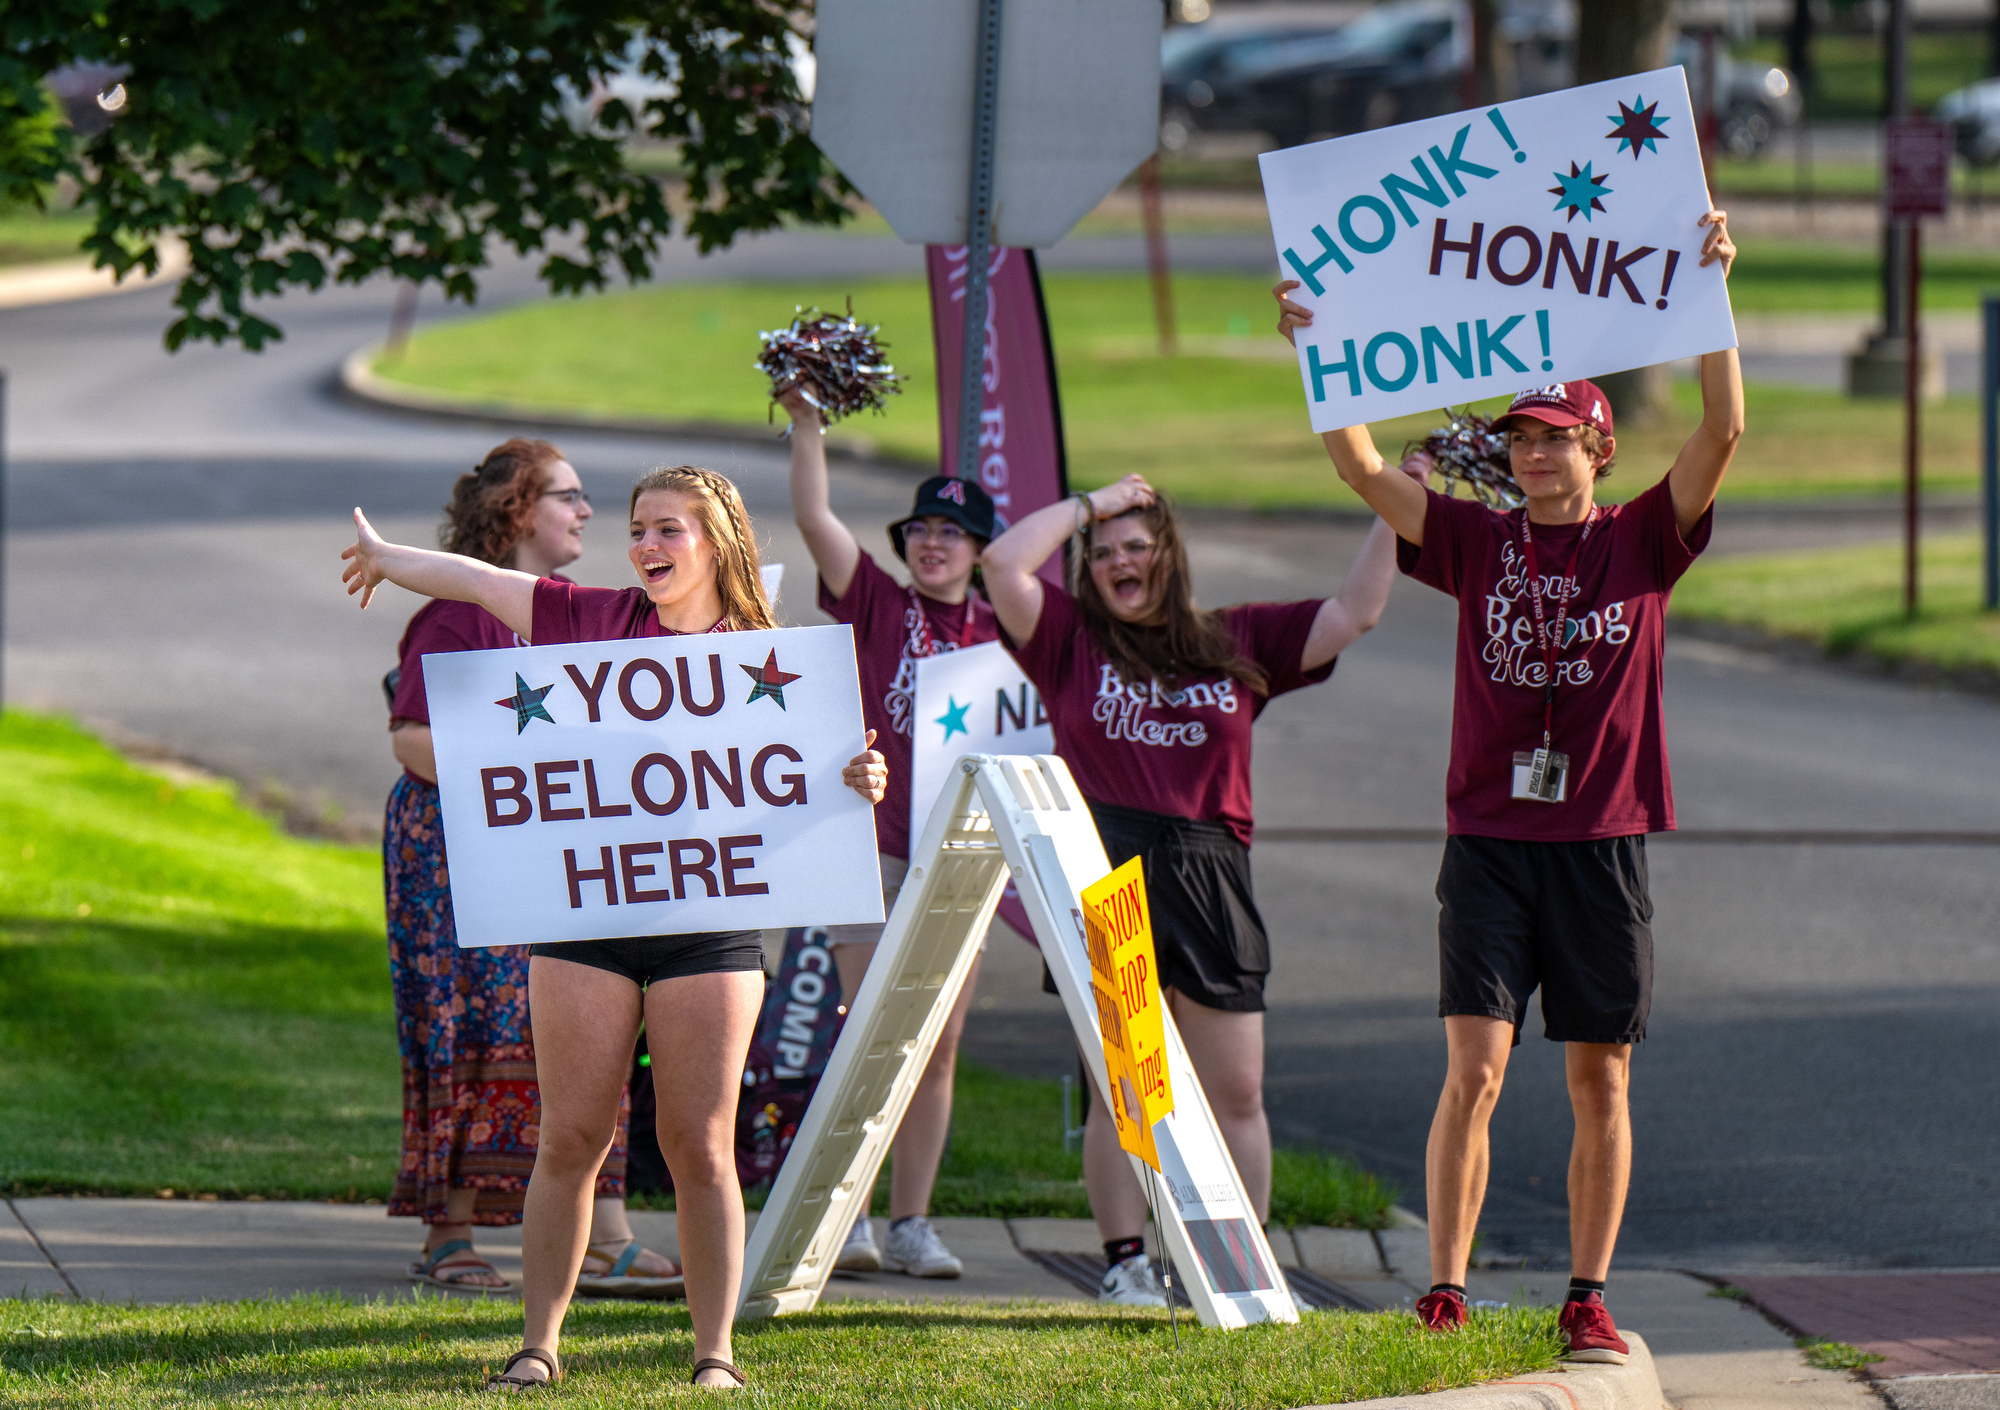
point(1021, 460)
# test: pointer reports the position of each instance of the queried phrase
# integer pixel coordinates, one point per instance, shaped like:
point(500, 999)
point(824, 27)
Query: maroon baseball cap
point(1562, 404)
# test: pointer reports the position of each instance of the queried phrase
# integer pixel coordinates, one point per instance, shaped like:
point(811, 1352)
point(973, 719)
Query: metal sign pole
point(1989, 396)
point(1911, 366)
point(978, 236)
point(3, 539)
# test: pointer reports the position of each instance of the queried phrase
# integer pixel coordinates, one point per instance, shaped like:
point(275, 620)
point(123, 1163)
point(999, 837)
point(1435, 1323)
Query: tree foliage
point(293, 141)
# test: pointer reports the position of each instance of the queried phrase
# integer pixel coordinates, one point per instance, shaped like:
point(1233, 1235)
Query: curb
point(66, 280)
point(1633, 1386)
point(357, 382)
point(1969, 680)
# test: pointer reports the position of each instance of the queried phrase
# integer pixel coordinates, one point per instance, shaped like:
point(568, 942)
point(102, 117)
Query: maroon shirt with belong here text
point(1607, 716)
point(1183, 753)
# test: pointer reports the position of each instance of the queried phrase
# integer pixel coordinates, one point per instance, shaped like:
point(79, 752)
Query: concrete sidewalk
point(1711, 1353)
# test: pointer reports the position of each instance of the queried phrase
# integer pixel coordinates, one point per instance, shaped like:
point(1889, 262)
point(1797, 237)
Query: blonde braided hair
point(725, 523)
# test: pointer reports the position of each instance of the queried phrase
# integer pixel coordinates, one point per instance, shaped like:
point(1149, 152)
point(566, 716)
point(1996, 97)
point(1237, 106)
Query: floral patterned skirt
point(471, 1111)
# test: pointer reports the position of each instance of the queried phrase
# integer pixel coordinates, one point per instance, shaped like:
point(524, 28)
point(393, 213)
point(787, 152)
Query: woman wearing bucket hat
point(894, 627)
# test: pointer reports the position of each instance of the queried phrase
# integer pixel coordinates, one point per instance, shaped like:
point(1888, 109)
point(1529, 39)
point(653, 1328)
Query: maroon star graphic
point(1637, 127)
point(770, 680)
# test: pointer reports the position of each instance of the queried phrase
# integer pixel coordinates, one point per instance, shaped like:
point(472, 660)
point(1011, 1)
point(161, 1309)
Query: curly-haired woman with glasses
point(471, 1109)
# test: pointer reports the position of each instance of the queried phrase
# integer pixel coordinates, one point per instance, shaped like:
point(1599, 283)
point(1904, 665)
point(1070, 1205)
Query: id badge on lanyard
point(1542, 775)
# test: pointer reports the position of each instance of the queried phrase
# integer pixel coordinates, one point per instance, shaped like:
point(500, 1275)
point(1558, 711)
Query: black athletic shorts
point(647, 959)
point(1572, 917)
point(1208, 938)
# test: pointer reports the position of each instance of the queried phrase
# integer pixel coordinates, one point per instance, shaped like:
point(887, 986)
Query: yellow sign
point(1118, 932)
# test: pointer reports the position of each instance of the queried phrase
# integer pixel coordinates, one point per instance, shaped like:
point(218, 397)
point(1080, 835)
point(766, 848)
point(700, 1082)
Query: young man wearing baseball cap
point(1558, 770)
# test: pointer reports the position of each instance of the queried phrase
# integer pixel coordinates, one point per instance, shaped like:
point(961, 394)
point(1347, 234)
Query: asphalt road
point(1820, 1083)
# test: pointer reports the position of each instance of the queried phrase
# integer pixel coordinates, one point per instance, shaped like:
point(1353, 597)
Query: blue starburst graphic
point(953, 719)
point(1579, 191)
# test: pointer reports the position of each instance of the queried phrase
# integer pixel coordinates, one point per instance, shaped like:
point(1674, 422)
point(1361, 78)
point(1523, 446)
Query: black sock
point(1451, 1288)
point(1584, 1290)
point(1116, 1251)
point(895, 1224)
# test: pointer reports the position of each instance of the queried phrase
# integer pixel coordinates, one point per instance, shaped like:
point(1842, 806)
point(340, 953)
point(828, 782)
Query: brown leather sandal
point(512, 1383)
point(716, 1363)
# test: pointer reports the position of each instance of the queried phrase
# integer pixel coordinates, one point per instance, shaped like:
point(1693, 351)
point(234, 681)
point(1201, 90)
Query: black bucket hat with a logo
point(961, 501)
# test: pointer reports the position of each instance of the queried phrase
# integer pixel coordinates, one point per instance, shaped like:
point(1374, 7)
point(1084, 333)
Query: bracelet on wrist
point(1085, 511)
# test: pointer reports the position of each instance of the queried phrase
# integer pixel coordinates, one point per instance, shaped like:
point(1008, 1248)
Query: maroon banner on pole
point(1021, 460)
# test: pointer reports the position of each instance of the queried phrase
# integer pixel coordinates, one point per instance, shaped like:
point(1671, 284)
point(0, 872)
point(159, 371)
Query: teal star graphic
point(1579, 191)
point(527, 704)
point(954, 719)
point(770, 680)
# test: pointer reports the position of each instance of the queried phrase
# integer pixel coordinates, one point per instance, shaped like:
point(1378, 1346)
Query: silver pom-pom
point(1469, 451)
point(837, 362)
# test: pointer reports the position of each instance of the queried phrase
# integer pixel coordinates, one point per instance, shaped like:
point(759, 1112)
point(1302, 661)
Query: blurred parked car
point(1202, 67)
point(1975, 114)
point(1752, 100)
point(1397, 62)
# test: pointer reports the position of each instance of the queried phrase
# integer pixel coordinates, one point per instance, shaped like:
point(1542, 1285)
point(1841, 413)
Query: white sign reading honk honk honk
point(1473, 255)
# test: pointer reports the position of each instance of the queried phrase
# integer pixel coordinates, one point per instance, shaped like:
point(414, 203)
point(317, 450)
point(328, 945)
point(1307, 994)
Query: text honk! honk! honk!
point(1468, 256)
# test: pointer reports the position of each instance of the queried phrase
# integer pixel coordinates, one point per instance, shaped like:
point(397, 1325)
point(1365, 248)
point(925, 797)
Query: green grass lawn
point(434, 1351)
point(30, 236)
point(1850, 600)
point(1223, 424)
point(1848, 81)
point(192, 1001)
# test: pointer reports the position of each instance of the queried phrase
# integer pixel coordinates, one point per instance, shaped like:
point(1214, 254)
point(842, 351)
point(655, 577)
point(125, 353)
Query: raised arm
point(1011, 560)
point(1400, 501)
point(372, 560)
point(1364, 592)
point(1698, 469)
point(833, 549)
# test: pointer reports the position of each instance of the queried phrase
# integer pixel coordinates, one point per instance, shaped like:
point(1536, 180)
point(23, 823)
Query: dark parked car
point(1752, 100)
point(1202, 68)
point(1974, 114)
point(1396, 63)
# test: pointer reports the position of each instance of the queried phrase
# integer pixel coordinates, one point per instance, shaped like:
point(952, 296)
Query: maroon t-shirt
point(1184, 753)
point(1607, 707)
point(439, 627)
point(893, 628)
point(565, 612)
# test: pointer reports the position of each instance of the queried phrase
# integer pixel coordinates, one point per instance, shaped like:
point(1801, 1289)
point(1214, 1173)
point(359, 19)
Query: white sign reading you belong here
point(653, 786)
point(974, 701)
point(1474, 255)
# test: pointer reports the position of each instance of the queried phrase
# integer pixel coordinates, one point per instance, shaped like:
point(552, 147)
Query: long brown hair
point(493, 504)
point(1189, 643)
point(725, 523)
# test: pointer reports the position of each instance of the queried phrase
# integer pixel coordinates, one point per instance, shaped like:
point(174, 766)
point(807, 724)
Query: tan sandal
point(444, 1267)
point(514, 1384)
point(716, 1363)
point(617, 1279)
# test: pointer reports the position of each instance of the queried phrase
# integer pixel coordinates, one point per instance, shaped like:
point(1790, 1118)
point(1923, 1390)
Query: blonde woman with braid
point(696, 557)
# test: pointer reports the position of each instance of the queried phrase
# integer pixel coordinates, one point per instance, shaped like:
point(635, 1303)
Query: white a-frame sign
point(1006, 816)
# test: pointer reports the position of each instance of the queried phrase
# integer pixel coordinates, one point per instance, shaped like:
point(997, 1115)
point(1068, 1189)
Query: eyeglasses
point(944, 535)
point(570, 497)
point(1131, 548)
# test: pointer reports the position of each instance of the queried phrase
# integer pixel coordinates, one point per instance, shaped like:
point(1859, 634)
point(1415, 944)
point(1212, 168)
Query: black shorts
point(1208, 938)
point(647, 959)
point(1572, 917)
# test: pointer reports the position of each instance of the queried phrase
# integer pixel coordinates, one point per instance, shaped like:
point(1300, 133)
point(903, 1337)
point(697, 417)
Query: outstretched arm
point(372, 560)
point(833, 549)
point(1365, 591)
point(1012, 559)
point(1400, 501)
point(1699, 468)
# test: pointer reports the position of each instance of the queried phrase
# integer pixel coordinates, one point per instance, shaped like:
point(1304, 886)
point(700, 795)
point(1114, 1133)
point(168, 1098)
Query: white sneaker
point(1132, 1283)
point(914, 1248)
point(859, 1254)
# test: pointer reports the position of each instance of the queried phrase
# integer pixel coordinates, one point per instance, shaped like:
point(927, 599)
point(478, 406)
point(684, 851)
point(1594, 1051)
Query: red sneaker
point(1442, 1311)
point(1592, 1336)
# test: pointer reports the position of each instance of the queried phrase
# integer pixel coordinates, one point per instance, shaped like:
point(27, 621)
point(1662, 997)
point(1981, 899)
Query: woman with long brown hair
point(470, 1105)
point(1151, 699)
point(699, 993)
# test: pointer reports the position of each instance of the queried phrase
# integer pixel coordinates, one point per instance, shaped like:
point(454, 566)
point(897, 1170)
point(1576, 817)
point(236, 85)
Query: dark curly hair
point(492, 505)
